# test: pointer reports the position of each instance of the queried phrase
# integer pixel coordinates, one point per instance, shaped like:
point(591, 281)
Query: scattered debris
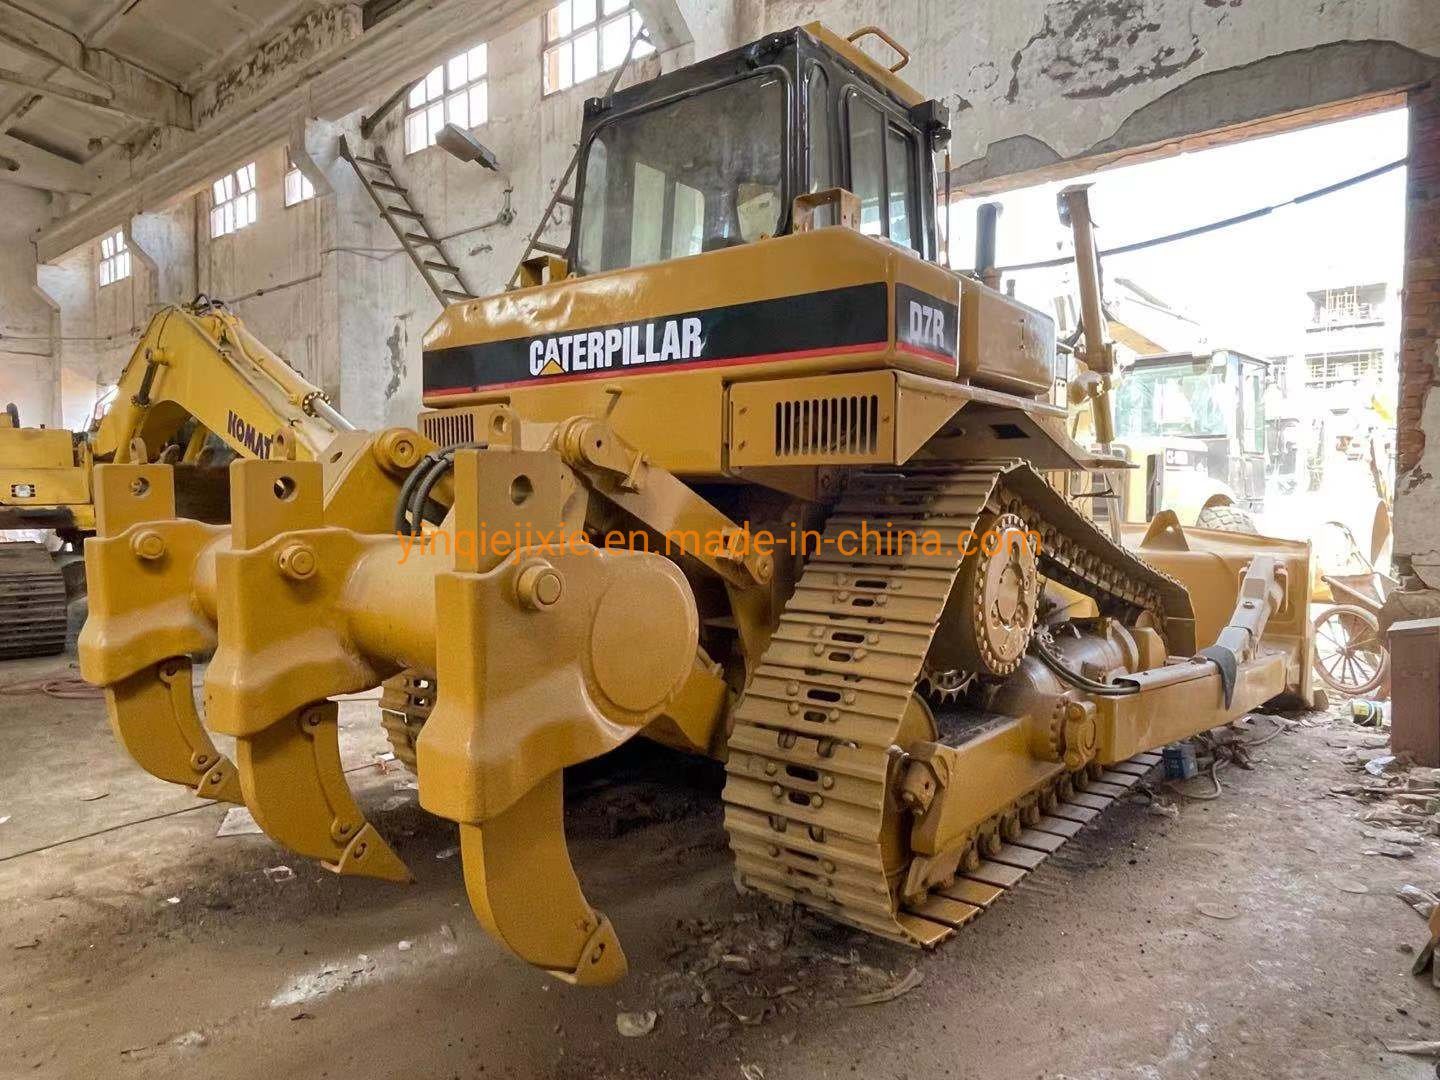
point(4, 819)
point(447, 940)
point(172, 900)
point(278, 874)
point(28, 944)
point(190, 1038)
point(1217, 911)
point(1379, 766)
point(448, 853)
point(1418, 1049)
point(1393, 851)
point(394, 802)
point(406, 946)
point(1423, 901)
point(1350, 885)
point(238, 821)
point(635, 1024)
point(890, 993)
point(92, 796)
point(303, 1016)
point(752, 1072)
point(1161, 808)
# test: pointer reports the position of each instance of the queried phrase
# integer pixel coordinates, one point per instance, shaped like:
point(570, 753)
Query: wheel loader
point(745, 470)
point(198, 387)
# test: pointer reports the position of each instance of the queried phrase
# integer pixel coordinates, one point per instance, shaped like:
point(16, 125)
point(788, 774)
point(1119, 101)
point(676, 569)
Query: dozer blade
point(294, 786)
point(153, 716)
point(524, 891)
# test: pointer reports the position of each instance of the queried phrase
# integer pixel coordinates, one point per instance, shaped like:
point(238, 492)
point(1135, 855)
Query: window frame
point(898, 123)
point(552, 44)
point(305, 185)
point(446, 95)
point(241, 194)
point(788, 150)
point(115, 263)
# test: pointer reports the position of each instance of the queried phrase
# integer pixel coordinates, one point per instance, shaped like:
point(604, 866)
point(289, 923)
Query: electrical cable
point(1223, 223)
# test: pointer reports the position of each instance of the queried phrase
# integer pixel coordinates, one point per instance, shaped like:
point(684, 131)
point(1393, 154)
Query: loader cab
point(712, 156)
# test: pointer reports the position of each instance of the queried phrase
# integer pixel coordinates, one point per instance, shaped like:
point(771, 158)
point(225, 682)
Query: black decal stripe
point(811, 323)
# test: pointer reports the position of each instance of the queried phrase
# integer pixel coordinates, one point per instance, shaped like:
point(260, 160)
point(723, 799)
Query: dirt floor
point(1247, 936)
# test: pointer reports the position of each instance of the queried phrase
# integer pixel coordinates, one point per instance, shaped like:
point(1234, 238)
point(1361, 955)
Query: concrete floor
point(134, 942)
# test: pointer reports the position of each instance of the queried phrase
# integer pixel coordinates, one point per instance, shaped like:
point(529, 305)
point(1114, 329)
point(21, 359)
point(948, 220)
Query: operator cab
point(712, 156)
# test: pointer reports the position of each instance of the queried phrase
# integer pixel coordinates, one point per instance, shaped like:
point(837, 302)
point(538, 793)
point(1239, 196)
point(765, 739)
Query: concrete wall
point(1034, 85)
point(1417, 492)
point(29, 354)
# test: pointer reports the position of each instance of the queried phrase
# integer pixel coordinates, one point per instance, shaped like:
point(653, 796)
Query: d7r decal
point(926, 325)
point(844, 320)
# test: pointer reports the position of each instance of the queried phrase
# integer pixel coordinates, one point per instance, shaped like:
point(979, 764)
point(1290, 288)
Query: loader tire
point(1227, 518)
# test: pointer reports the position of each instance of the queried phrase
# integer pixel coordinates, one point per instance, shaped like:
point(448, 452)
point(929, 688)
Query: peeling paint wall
point(1034, 83)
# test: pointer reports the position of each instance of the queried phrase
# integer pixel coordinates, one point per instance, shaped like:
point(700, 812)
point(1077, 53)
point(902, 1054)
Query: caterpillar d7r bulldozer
point(745, 471)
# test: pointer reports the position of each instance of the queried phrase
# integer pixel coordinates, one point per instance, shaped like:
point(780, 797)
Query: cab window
point(882, 171)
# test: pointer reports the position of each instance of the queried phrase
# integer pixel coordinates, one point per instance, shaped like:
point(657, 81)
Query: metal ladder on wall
point(408, 224)
point(564, 195)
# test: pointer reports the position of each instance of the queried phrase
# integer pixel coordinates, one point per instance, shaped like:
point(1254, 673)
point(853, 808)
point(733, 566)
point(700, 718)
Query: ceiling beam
point(327, 86)
point(69, 93)
point(30, 166)
point(133, 90)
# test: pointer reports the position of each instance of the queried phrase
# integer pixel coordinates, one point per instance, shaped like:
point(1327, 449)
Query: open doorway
point(1253, 294)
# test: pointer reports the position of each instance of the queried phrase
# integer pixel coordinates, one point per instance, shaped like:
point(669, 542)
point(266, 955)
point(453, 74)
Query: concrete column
point(1417, 467)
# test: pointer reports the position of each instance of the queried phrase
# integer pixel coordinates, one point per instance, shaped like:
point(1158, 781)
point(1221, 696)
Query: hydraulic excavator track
point(32, 602)
point(816, 749)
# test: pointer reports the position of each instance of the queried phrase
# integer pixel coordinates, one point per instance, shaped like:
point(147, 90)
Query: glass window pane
point(217, 221)
point(898, 161)
point(124, 264)
point(557, 68)
point(592, 226)
point(107, 247)
point(457, 110)
point(642, 173)
point(415, 132)
point(477, 62)
point(219, 191)
point(647, 215)
point(642, 48)
point(457, 72)
point(867, 162)
point(687, 229)
point(583, 13)
point(557, 21)
point(435, 83)
point(818, 127)
point(292, 187)
point(479, 104)
point(434, 121)
point(614, 41)
point(610, 7)
point(104, 273)
point(417, 95)
point(587, 48)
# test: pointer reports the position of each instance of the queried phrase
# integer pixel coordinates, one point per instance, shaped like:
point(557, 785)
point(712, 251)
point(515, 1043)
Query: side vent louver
point(827, 426)
point(448, 428)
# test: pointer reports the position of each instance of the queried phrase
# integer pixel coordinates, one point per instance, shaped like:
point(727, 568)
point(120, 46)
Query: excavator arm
point(199, 361)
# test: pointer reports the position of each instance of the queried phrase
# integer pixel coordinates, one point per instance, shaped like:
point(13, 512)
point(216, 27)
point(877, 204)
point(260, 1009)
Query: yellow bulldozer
point(198, 389)
point(744, 470)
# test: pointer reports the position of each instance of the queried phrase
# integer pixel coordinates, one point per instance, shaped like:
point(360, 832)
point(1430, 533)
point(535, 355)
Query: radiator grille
point(827, 426)
point(448, 427)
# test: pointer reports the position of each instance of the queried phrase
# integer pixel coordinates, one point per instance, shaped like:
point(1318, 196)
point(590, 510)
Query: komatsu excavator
point(196, 372)
point(747, 471)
